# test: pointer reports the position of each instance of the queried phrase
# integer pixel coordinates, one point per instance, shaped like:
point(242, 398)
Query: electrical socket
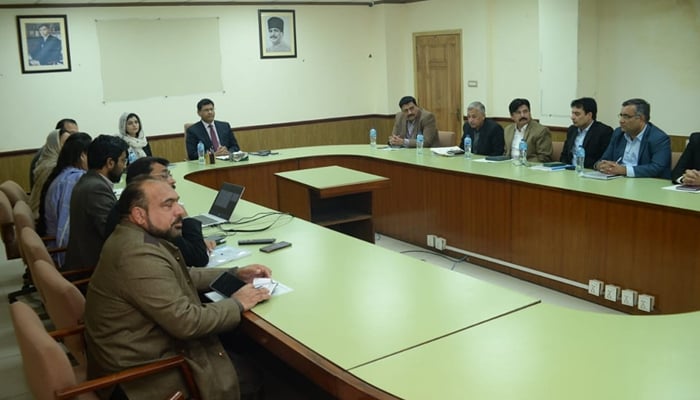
point(645, 302)
point(612, 292)
point(595, 287)
point(431, 240)
point(629, 297)
point(440, 243)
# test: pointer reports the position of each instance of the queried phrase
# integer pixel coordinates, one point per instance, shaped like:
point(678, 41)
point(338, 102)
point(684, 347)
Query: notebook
point(222, 208)
point(600, 175)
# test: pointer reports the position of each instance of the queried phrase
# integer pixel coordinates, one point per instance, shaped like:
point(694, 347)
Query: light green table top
point(329, 177)
point(644, 190)
point(547, 352)
point(354, 302)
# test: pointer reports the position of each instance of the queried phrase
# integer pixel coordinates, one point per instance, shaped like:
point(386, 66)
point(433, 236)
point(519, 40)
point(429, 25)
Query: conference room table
point(365, 322)
point(553, 228)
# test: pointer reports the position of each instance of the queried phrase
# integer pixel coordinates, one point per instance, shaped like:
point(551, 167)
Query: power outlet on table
point(595, 287)
point(629, 297)
point(612, 292)
point(645, 302)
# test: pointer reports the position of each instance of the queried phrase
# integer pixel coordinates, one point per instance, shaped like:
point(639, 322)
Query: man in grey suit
point(537, 137)
point(92, 199)
point(215, 135)
point(411, 121)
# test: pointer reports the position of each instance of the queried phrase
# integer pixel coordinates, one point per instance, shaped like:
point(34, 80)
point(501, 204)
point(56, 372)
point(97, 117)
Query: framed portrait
point(278, 33)
point(43, 43)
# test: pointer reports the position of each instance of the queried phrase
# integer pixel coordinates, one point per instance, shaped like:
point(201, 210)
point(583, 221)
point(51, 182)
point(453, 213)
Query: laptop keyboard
point(206, 220)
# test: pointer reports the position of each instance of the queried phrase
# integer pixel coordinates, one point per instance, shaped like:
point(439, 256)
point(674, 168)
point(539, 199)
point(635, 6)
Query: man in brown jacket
point(143, 305)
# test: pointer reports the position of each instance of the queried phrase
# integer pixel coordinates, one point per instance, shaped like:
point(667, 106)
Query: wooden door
point(439, 77)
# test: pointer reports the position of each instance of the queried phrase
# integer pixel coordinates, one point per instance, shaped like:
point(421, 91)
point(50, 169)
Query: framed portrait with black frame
point(278, 33)
point(43, 43)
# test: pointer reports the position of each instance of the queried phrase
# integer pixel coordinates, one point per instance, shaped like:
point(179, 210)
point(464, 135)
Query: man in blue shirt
point(637, 148)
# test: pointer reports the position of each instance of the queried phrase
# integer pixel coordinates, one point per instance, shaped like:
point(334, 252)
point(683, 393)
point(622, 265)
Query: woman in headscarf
point(45, 164)
point(131, 131)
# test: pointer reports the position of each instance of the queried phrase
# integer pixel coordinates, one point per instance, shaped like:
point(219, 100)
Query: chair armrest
point(132, 374)
point(73, 330)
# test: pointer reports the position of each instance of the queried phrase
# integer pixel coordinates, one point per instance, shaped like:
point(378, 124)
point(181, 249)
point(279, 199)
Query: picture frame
point(43, 43)
point(278, 33)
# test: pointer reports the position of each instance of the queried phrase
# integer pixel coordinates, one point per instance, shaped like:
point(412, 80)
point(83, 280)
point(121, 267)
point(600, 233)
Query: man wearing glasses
point(194, 249)
point(637, 148)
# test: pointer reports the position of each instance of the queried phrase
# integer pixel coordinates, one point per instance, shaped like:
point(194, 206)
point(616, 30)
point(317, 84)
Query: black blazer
point(198, 133)
point(596, 141)
point(690, 159)
point(491, 140)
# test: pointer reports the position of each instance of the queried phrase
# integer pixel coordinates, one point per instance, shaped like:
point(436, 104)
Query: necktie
point(214, 138)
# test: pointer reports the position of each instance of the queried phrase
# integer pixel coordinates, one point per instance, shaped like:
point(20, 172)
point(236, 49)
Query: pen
point(618, 160)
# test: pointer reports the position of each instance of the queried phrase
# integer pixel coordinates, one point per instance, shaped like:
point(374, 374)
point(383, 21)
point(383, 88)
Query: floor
point(12, 378)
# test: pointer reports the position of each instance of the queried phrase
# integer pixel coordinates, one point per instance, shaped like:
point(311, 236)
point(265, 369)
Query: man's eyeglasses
point(165, 174)
point(627, 116)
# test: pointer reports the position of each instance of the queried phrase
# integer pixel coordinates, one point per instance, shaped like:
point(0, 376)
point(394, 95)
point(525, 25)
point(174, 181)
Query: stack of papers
point(600, 175)
point(224, 254)
point(447, 151)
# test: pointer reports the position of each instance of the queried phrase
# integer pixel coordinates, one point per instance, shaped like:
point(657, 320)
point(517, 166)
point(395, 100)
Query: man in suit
point(638, 148)
point(215, 135)
point(585, 131)
point(142, 302)
point(46, 49)
point(537, 137)
point(411, 121)
point(486, 134)
point(191, 243)
point(687, 171)
point(92, 199)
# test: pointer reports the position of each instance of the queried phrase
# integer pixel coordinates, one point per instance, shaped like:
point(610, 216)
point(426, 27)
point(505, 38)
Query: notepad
point(447, 151)
point(600, 175)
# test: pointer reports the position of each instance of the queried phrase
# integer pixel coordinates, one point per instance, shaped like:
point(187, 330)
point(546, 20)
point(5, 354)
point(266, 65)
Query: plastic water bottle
point(467, 147)
point(200, 152)
point(419, 143)
point(580, 159)
point(372, 138)
point(132, 155)
point(522, 158)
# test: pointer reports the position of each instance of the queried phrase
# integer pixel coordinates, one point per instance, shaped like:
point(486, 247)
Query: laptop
point(222, 208)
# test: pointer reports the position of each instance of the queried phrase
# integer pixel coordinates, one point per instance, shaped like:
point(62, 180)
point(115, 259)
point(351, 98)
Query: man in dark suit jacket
point(645, 156)
point(92, 199)
point(687, 171)
point(486, 134)
point(411, 121)
point(593, 135)
point(202, 132)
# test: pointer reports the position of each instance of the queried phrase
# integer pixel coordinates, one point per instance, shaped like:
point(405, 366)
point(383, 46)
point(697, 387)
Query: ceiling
point(107, 3)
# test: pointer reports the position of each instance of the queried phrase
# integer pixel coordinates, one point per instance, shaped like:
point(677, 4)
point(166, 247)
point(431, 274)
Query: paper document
point(683, 188)
point(544, 168)
point(447, 151)
point(224, 254)
point(600, 175)
point(278, 289)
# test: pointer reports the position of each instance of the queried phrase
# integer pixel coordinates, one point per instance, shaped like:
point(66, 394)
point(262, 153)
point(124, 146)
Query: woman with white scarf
point(131, 131)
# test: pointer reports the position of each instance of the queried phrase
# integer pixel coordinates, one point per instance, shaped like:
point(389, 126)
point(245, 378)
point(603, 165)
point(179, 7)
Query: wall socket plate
point(645, 302)
point(440, 243)
point(595, 287)
point(629, 297)
point(612, 292)
point(430, 240)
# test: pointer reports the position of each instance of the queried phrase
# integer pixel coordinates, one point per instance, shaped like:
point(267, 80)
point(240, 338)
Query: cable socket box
point(629, 297)
point(612, 292)
point(645, 302)
point(595, 287)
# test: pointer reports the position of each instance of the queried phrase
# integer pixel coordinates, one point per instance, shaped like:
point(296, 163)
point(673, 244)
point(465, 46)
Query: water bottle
point(419, 143)
point(132, 155)
point(200, 152)
point(522, 158)
point(467, 147)
point(580, 159)
point(373, 138)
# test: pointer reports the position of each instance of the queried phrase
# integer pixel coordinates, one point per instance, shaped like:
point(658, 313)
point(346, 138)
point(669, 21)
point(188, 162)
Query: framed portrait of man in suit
point(278, 35)
point(43, 43)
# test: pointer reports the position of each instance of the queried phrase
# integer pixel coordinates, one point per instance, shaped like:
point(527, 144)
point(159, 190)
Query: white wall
point(332, 76)
point(624, 49)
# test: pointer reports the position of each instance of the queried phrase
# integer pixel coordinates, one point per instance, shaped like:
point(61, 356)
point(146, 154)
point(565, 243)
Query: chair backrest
point(186, 126)
point(446, 139)
point(7, 227)
point(675, 156)
point(556, 150)
point(64, 303)
point(46, 365)
point(14, 192)
point(33, 249)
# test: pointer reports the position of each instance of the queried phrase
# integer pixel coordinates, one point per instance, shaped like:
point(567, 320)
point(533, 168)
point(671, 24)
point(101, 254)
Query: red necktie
point(214, 138)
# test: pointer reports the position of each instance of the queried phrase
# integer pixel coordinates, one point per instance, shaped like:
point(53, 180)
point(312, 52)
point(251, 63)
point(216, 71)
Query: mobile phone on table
point(226, 284)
